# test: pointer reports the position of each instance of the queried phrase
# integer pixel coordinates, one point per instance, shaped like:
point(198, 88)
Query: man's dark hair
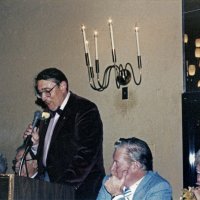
point(51, 73)
point(138, 150)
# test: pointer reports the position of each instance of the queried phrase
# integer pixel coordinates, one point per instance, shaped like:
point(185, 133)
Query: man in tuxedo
point(69, 143)
point(29, 167)
point(131, 175)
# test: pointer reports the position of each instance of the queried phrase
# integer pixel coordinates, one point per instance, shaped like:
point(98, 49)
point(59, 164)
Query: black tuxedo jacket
point(75, 151)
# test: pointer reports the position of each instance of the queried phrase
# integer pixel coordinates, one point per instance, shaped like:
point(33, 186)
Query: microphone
point(28, 142)
point(37, 117)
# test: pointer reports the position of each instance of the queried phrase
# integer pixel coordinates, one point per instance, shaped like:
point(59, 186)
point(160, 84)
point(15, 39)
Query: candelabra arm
point(117, 72)
point(91, 72)
point(106, 77)
point(133, 74)
point(93, 86)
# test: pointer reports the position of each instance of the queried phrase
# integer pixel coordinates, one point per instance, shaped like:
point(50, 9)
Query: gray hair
point(138, 150)
point(197, 158)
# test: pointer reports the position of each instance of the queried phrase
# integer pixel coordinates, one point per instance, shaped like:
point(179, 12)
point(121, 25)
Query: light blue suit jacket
point(152, 187)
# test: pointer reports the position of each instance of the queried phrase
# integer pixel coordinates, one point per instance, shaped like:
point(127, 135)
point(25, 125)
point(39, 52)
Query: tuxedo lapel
point(61, 121)
point(64, 116)
point(42, 133)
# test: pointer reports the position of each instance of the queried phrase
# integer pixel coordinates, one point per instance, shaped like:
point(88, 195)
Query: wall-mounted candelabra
point(122, 73)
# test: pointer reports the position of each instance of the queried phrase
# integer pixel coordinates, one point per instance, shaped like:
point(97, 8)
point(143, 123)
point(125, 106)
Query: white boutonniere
point(45, 115)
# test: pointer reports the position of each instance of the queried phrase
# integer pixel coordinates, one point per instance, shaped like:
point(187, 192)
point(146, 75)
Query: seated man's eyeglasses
point(15, 167)
point(47, 92)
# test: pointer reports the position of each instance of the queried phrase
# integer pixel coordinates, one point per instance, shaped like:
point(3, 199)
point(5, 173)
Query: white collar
point(135, 185)
point(34, 175)
point(65, 101)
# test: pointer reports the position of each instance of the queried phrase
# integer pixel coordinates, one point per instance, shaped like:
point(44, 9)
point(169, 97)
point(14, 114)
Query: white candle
point(88, 51)
point(84, 38)
point(111, 33)
point(137, 40)
point(96, 46)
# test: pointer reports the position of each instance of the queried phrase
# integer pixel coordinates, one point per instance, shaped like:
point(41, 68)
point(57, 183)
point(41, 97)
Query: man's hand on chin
point(114, 185)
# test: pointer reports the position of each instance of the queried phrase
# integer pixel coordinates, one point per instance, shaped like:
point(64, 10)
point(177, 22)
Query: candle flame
point(110, 21)
point(95, 33)
point(83, 27)
point(136, 28)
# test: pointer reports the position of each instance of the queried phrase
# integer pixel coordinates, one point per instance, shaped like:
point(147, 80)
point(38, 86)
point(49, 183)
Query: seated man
point(29, 168)
point(3, 164)
point(197, 164)
point(132, 176)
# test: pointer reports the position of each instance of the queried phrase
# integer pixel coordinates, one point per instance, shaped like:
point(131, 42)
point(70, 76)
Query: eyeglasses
point(46, 92)
point(16, 161)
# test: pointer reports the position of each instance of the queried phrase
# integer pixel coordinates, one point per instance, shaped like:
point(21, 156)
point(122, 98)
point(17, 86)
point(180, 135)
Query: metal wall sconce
point(122, 73)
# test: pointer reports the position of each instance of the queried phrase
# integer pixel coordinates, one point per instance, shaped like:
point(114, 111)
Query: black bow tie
point(53, 113)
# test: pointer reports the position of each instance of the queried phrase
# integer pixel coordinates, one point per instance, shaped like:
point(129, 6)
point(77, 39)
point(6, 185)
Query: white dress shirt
point(130, 194)
point(50, 129)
